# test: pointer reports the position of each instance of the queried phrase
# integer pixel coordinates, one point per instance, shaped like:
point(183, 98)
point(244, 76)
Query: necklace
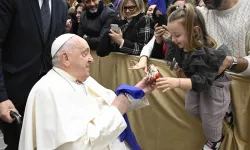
point(77, 81)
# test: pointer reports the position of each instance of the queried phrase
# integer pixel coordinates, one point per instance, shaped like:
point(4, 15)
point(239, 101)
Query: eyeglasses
point(130, 8)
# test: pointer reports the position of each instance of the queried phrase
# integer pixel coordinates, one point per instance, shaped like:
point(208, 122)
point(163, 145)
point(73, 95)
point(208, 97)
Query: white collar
point(64, 74)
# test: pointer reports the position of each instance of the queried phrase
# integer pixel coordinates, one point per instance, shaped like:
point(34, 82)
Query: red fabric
point(164, 48)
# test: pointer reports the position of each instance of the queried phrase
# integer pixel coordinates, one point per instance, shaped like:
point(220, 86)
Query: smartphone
point(115, 27)
point(160, 19)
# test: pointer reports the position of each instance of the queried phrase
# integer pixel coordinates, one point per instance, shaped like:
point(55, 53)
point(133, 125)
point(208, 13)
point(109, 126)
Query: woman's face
point(151, 10)
point(130, 9)
point(79, 10)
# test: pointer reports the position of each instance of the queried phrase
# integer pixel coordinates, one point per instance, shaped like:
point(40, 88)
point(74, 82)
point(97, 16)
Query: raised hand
point(142, 64)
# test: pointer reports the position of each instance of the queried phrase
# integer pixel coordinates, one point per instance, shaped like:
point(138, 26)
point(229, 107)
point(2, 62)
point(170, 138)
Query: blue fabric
point(128, 134)
point(161, 5)
point(135, 92)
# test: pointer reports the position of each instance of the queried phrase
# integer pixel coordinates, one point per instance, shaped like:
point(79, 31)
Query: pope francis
point(69, 110)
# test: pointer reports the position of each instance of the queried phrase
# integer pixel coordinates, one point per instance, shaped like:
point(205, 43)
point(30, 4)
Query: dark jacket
point(25, 55)
point(136, 34)
point(94, 26)
point(201, 65)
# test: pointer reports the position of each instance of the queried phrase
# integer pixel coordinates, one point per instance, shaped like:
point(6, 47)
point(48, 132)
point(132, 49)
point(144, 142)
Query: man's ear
point(64, 59)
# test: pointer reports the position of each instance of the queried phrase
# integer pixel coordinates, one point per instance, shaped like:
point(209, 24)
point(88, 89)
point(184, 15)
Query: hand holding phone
point(115, 28)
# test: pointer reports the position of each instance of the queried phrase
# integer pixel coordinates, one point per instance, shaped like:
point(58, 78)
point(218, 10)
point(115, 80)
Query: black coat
point(25, 55)
point(94, 26)
point(136, 34)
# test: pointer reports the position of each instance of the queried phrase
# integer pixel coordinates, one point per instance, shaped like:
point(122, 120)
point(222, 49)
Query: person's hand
point(166, 34)
point(228, 61)
point(158, 33)
point(201, 3)
point(68, 25)
point(142, 64)
point(116, 37)
point(5, 108)
point(146, 85)
point(167, 83)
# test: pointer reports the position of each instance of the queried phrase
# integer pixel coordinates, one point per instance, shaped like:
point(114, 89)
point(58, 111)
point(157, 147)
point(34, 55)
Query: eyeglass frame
point(130, 8)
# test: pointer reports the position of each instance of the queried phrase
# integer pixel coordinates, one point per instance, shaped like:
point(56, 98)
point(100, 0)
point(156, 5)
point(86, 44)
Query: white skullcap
point(59, 42)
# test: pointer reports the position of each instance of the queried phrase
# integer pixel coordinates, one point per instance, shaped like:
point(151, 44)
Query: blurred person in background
point(74, 19)
point(135, 30)
point(95, 22)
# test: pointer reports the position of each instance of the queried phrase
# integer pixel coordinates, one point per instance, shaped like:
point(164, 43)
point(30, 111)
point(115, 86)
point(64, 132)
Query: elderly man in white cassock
point(69, 110)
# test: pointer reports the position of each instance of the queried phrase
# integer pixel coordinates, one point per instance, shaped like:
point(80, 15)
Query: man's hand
point(146, 85)
point(5, 108)
point(228, 61)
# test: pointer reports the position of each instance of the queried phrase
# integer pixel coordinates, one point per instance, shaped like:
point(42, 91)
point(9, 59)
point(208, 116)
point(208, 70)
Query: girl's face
point(178, 32)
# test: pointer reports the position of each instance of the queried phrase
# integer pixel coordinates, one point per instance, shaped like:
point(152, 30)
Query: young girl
point(208, 94)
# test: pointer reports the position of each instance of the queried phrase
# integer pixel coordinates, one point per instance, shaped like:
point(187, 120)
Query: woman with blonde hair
point(135, 30)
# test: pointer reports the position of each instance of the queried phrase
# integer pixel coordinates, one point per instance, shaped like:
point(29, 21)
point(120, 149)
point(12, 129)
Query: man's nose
point(92, 3)
point(91, 58)
point(127, 10)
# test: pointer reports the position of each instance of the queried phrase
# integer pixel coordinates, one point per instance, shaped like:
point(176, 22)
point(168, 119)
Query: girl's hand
point(167, 83)
point(116, 37)
point(158, 33)
point(142, 64)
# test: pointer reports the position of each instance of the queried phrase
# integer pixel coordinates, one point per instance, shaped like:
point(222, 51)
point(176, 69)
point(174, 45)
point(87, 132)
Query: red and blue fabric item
point(128, 135)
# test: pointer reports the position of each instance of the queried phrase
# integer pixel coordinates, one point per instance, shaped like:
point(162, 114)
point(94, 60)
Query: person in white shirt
point(159, 35)
point(68, 110)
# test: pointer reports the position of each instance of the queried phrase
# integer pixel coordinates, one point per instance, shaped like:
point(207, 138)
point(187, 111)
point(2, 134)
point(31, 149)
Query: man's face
point(150, 10)
point(214, 4)
point(80, 60)
point(92, 5)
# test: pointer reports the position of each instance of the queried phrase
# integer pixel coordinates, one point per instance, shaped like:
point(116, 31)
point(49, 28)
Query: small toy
point(153, 72)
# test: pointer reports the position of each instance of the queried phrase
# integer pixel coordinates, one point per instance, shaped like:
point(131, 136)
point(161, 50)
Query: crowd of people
point(45, 57)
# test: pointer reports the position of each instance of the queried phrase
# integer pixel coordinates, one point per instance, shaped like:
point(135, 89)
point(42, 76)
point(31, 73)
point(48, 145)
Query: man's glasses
point(130, 8)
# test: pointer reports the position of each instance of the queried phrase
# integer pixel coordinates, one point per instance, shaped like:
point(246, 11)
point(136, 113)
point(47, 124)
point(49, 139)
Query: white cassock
point(62, 114)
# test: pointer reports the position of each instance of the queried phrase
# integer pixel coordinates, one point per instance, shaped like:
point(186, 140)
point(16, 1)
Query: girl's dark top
point(201, 65)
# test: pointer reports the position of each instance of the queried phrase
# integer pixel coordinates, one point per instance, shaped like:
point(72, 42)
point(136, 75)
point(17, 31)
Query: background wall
point(165, 124)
